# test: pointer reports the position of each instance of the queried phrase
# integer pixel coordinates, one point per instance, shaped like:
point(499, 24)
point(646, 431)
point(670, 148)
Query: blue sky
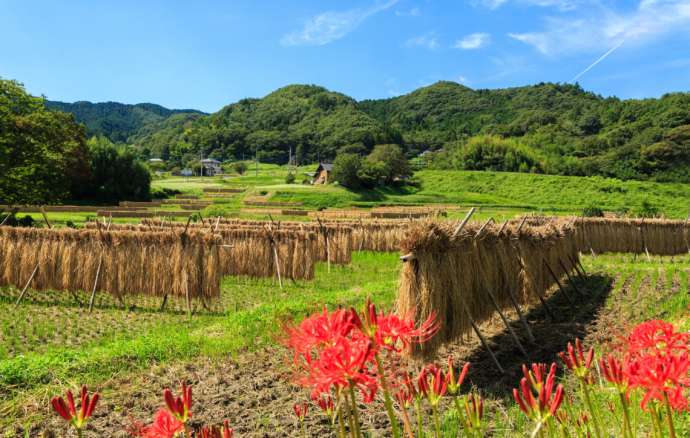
point(206, 54)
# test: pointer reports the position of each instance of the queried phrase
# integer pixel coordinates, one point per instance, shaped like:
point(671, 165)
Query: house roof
point(210, 161)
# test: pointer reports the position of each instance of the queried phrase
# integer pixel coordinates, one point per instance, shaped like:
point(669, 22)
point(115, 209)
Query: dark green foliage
point(117, 121)
point(345, 170)
point(290, 178)
point(12, 221)
point(43, 154)
point(592, 211)
point(490, 152)
point(240, 167)
point(116, 174)
point(392, 161)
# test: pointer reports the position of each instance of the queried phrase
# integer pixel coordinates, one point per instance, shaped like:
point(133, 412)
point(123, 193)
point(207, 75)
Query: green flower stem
point(590, 407)
point(341, 423)
point(458, 407)
point(387, 397)
point(627, 428)
point(420, 419)
point(437, 420)
point(355, 413)
point(669, 417)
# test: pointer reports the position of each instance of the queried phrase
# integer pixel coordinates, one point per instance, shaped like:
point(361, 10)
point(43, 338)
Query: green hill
point(116, 121)
point(547, 128)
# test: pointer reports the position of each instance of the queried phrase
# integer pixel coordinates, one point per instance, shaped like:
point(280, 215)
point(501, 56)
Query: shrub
point(240, 167)
point(592, 211)
point(290, 178)
point(646, 209)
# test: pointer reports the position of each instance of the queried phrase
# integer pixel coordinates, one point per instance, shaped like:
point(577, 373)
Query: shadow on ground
point(567, 320)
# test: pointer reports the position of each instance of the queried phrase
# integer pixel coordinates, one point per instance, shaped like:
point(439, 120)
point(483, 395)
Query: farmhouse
point(323, 173)
point(211, 166)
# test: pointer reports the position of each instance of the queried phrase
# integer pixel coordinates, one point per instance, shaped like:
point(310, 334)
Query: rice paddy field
point(231, 347)
point(231, 352)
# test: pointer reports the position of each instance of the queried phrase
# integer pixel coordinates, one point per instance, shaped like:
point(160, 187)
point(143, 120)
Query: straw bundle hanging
point(132, 263)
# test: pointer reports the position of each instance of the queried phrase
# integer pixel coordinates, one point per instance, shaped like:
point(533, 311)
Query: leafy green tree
point(43, 153)
point(391, 160)
point(116, 174)
point(346, 169)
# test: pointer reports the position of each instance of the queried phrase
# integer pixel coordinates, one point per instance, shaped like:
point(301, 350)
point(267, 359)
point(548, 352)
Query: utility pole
point(201, 159)
point(256, 160)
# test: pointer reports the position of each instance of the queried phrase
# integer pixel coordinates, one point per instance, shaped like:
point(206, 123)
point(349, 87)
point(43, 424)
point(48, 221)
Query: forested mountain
point(116, 121)
point(552, 128)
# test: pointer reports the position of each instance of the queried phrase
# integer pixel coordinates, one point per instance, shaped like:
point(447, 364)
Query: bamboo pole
point(165, 300)
point(462, 224)
point(570, 279)
point(95, 282)
point(277, 263)
point(21, 295)
point(560, 286)
point(481, 337)
point(45, 217)
point(507, 324)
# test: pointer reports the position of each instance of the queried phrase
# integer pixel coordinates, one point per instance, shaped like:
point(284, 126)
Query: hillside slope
point(116, 121)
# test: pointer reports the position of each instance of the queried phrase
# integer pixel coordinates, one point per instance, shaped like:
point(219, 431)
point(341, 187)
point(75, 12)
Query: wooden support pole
point(45, 217)
point(513, 300)
point(507, 324)
point(481, 229)
point(481, 337)
point(570, 279)
point(462, 224)
point(95, 282)
point(21, 295)
point(575, 264)
point(558, 282)
point(189, 299)
point(503, 227)
point(644, 241)
point(277, 263)
point(165, 300)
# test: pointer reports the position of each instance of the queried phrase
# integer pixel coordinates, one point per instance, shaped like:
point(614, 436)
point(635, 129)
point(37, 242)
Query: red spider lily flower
point(216, 432)
point(537, 399)
point(661, 377)
point(657, 337)
point(613, 372)
point(340, 366)
point(321, 330)
point(394, 333)
point(180, 407)
point(455, 384)
point(165, 425)
point(576, 360)
point(406, 392)
point(433, 383)
point(300, 410)
point(68, 410)
point(326, 404)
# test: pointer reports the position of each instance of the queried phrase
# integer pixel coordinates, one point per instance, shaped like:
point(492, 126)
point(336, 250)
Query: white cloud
point(414, 12)
point(563, 5)
point(460, 79)
point(332, 25)
point(473, 41)
point(427, 41)
point(592, 33)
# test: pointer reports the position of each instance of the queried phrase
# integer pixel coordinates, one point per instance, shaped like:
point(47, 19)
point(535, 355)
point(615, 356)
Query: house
point(323, 173)
point(186, 172)
point(211, 167)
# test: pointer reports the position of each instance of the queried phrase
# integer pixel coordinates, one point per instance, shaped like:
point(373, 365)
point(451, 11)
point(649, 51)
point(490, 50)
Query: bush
point(346, 169)
point(646, 210)
point(488, 152)
point(290, 178)
point(12, 221)
point(240, 167)
point(391, 160)
point(592, 211)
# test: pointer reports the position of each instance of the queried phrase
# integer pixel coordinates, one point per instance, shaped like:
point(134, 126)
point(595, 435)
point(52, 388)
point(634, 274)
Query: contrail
point(601, 58)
